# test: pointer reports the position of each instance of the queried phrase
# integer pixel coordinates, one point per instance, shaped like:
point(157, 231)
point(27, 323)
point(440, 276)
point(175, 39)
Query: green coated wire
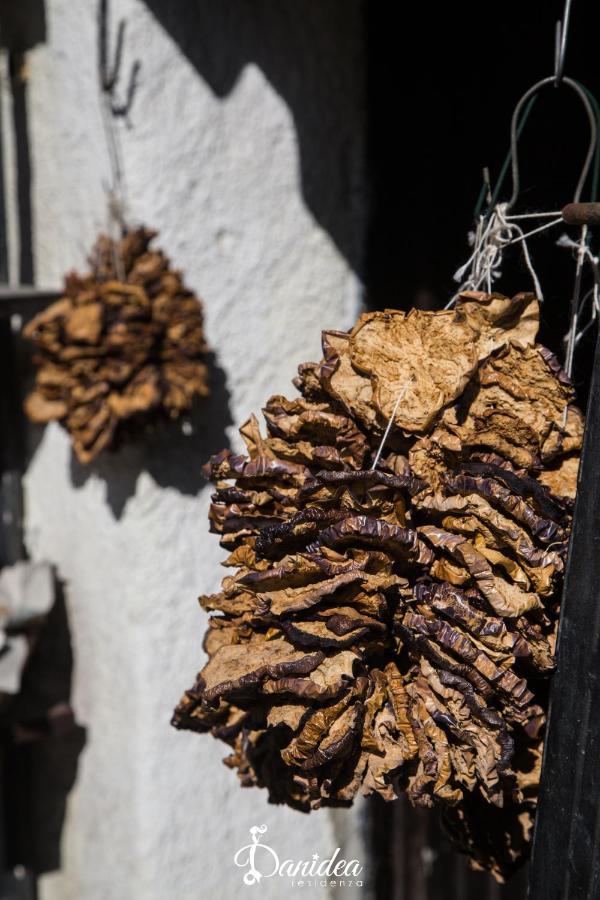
point(504, 169)
point(596, 168)
point(507, 161)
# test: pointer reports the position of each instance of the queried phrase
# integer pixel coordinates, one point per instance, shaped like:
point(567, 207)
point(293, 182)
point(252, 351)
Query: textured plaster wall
point(154, 813)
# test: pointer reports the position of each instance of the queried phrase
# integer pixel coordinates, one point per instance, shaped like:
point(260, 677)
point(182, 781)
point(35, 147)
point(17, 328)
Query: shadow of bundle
point(125, 343)
point(392, 628)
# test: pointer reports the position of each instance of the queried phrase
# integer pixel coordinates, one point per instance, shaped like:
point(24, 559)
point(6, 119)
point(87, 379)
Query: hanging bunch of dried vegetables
point(392, 628)
point(125, 342)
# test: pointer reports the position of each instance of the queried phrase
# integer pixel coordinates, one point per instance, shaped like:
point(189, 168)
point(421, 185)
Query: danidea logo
point(261, 861)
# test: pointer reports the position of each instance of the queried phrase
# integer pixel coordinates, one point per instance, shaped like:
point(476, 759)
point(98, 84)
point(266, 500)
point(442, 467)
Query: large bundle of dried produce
point(124, 342)
point(391, 627)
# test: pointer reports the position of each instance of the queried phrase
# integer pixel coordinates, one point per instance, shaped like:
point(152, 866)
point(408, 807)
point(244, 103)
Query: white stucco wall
point(154, 814)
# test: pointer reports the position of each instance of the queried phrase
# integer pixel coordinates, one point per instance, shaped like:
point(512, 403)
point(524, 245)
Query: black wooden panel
point(24, 299)
point(566, 861)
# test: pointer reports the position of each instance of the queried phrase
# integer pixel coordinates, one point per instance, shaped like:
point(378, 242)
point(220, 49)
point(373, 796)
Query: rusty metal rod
point(581, 214)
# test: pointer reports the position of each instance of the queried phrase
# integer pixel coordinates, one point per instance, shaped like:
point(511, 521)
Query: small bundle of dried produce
point(125, 342)
point(391, 619)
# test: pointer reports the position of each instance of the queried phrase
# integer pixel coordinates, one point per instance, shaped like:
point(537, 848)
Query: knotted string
point(491, 238)
point(583, 254)
point(493, 234)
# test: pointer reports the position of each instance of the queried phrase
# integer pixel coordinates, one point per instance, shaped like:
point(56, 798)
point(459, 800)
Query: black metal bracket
point(110, 74)
point(566, 848)
point(24, 299)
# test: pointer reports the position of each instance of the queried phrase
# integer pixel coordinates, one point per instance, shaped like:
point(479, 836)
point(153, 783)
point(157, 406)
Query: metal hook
point(515, 123)
point(560, 46)
point(109, 75)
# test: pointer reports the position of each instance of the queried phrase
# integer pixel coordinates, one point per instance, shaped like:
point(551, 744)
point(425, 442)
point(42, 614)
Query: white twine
point(583, 254)
point(594, 292)
point(399, 398)
point(536, 215)
point(491, 238)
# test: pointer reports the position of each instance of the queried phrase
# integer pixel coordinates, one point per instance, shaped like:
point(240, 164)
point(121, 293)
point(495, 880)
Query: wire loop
point(514, 137)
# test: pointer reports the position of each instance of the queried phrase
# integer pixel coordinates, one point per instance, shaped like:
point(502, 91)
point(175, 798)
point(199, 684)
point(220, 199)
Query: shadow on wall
point(41, 745)
point(312, 54)
point(173, 453)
